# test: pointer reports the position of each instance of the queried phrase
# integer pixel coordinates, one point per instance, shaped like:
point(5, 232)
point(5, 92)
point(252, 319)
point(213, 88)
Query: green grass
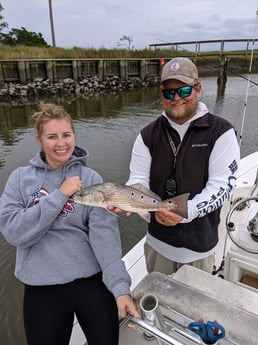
point(25, 52)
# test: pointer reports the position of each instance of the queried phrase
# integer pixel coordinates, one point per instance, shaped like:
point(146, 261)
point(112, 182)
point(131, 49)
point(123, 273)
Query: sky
point(102, 23)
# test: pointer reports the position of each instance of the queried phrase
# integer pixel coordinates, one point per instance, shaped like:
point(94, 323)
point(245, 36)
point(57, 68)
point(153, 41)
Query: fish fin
point(145, 190)
point(180, 204)
point(145, 216)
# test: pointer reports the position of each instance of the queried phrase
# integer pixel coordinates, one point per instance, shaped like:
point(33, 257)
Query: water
point(107, 126)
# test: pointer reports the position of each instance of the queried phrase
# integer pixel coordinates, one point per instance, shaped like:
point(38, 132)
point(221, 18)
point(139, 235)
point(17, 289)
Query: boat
point(172, 305)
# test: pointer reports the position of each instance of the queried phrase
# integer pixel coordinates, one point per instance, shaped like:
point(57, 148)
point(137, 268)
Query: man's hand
point(117, 210)
point(167, 218)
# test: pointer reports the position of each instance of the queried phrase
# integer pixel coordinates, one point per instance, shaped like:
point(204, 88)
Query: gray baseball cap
point(180, 68)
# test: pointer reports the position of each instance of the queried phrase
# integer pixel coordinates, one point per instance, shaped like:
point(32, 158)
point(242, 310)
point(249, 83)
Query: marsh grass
point(43, 53)
point(26, 52)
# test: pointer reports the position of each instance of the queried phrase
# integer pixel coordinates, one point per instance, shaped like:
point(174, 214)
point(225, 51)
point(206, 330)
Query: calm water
point(106, 125)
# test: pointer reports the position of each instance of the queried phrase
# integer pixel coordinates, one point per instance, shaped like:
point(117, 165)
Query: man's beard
point(182, 115)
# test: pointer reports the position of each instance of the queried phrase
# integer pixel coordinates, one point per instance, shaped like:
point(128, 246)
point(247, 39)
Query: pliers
point(209, 332)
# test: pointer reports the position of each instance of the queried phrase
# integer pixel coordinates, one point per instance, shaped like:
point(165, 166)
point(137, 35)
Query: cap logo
point(175, 66)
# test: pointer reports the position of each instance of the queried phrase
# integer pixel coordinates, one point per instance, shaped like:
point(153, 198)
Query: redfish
point(134, 198)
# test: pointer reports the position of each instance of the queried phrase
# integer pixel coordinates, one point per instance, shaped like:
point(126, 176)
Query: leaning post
point(222, 78)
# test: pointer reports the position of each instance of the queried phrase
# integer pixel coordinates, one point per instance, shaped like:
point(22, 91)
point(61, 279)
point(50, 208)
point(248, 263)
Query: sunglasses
point(171, 188)
point(183, 92)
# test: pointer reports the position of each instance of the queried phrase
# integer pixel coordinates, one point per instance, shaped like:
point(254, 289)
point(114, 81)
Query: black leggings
point(49, 312)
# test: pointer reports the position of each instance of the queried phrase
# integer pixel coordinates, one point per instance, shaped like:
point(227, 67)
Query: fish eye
point(132, 193)
point(154, 201)
point(142, 197)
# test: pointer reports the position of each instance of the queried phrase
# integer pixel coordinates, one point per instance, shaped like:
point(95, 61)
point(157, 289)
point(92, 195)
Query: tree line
point(19, 36)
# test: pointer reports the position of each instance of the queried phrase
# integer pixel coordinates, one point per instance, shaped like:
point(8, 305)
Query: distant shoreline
point(28, 78)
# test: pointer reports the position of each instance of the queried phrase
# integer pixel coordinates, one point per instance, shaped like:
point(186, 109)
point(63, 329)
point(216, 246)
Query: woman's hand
point(126, 305)
point(71, 185)
point(167, 218)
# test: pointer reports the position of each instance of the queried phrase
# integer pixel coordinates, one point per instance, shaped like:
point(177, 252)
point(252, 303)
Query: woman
point(68, 255)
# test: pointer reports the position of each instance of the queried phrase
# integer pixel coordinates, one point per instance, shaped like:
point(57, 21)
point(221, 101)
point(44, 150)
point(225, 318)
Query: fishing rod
point(215, 64)
point(230, 70)
point(215, 271)
point(248, 83)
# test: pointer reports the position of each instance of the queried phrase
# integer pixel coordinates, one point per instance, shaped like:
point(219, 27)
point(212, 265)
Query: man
point(185, 150)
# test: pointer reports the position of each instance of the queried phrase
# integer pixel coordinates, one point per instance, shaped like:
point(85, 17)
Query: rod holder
point(149, 306)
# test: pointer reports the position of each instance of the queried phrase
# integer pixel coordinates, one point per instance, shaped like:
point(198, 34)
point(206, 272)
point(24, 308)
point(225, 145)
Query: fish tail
point(180, 205)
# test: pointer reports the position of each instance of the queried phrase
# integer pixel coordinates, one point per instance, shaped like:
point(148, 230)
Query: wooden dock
point(25, 70)
point(221, 47)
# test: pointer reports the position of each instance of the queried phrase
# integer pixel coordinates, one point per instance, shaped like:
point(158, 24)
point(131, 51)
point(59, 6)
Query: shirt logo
point(199, 145)
point(40, 192)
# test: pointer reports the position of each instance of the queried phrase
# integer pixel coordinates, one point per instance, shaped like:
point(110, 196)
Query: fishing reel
point(242, 224)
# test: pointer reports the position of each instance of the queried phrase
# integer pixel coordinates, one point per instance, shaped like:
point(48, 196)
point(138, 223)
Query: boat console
point(191, 295)
point(241, 263)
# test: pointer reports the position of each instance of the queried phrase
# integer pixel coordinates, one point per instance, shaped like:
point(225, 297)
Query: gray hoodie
point(58, 240)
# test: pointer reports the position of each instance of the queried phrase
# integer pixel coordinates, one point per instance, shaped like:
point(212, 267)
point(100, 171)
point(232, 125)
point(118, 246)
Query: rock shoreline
point(68, 86)
point(92, 85)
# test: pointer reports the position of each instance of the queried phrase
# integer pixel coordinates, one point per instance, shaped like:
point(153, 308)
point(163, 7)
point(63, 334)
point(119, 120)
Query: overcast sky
point(101, 23)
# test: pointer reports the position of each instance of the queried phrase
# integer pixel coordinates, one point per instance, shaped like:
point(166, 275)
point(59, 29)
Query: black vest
point(191, 175)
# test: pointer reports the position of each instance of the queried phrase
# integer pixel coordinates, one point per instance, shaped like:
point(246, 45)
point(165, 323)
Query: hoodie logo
point(68, 207)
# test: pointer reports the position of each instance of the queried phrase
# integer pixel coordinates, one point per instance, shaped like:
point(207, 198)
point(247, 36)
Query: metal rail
point(161, 335)
point(177, 45)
